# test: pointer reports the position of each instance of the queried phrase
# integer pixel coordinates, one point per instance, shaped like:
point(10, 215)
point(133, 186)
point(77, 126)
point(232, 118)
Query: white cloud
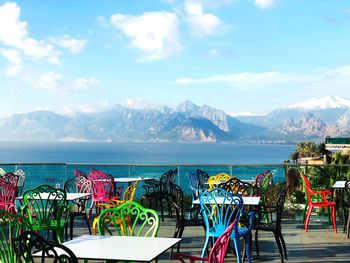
point(201, 24)
point(141, 103)
point(53, 81)
point(15, 34)
point(265, 3)
point(154, 33)
point(74, 45)
point(13, 57)
point(321, 79)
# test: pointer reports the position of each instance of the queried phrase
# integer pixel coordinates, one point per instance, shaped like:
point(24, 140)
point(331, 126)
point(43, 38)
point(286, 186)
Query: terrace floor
point(319, 244)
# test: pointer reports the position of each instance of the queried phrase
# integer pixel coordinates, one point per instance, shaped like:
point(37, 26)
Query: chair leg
point(87, 222)
point(283, 244)
point(247, 248)
point(334, 222)
point(161, 209)
point(205, 247)
point(71, 226)
point(256, 242)
point(307, 219)
point(278, 242)
point(348, 225)
point(237, 249)
point(180, 236)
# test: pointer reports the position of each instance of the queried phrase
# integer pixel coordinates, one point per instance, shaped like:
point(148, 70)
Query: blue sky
point(235, 55)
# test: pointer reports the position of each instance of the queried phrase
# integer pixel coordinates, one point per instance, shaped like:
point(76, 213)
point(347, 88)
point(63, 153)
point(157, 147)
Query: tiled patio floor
point(320, 244)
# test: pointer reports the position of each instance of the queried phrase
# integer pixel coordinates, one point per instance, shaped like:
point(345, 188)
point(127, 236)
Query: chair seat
point(265, 226)
point(322, 204)
point(38, 225)
point(216, 232)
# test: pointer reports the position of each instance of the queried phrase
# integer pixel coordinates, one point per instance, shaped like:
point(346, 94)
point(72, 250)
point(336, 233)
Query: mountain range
point(185, 122)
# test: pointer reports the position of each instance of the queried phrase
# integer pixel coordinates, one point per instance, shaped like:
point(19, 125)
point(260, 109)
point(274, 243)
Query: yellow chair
point(127, 196)
point(215, 180)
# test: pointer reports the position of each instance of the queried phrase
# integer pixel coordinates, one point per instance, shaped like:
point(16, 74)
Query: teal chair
point(46, 209)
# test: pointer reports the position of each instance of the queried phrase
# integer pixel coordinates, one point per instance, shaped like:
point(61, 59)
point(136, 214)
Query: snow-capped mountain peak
point(328, 102)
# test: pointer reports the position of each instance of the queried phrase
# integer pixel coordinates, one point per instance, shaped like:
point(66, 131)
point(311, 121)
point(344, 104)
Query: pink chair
point(8, 193)
point(102, 188)
point(78, 173)
point(217, 253)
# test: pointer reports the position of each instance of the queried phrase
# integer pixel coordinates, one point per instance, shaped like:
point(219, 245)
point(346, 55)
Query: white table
point(247, 200)
point(130, 179)
point(70, 196)
point(339, 184)
point(121, 248)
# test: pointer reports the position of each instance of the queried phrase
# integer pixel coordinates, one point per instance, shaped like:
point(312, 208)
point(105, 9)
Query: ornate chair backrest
point(220, 208)
point(166, 179)
point(130, 192)
point(177, 199)
point(214, 181)
point(79, 185)
point(218, 252)
point(30, 243)
point(102, 184)
point(10, 178)
point(234, 185)
point(78, 173)
point(203, 179)
point(2, 172)
point(10, 226)
point(129, 219)
point(260, 179)
point(21, 180)
point(280, 205)
point(44, 204)
point(8, 193)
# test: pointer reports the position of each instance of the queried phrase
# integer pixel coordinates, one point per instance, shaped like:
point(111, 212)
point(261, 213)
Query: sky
point(241, 56)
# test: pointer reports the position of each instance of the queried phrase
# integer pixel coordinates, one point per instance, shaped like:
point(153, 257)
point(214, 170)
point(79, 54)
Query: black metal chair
point(30, 243)
point(273, 225)
point(346, 208)
point(78, 185)
point(186, 215)
point(234, 185)
point(159, 191)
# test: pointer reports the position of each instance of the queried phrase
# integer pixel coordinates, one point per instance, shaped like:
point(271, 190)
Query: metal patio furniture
point(217, 253)
point(129, 219)
point(45, 207)
point(30, 247)
point(78, 208)
point(274, 225)
point(219, 209)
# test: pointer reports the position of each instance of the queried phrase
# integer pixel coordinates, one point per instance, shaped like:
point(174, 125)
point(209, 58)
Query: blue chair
point(219, 209)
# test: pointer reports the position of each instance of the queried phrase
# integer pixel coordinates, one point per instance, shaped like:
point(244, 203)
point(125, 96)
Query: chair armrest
point(182, 257)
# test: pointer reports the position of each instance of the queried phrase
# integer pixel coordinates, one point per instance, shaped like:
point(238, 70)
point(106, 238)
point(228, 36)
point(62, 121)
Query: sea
point(54, 162)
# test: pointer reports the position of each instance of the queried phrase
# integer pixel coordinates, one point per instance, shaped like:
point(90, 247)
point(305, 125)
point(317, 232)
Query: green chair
point(46, 209)
point(129, 219)
point(10, 227)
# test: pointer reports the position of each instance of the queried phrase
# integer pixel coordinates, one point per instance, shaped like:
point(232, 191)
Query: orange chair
point(318, 198)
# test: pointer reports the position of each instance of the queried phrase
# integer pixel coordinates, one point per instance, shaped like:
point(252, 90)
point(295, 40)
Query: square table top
point(247, 200)
point(121, 248)
point(339, 184)
point(130, 179)
point(70, 196)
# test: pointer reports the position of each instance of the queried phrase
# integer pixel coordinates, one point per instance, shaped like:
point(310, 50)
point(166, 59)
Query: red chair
point(217, 253)
point(102, 188)
point(318, 198)
point(8, 193)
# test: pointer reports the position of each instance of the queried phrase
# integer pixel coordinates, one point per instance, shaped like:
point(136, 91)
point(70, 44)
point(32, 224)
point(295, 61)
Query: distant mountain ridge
point(185, 122)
